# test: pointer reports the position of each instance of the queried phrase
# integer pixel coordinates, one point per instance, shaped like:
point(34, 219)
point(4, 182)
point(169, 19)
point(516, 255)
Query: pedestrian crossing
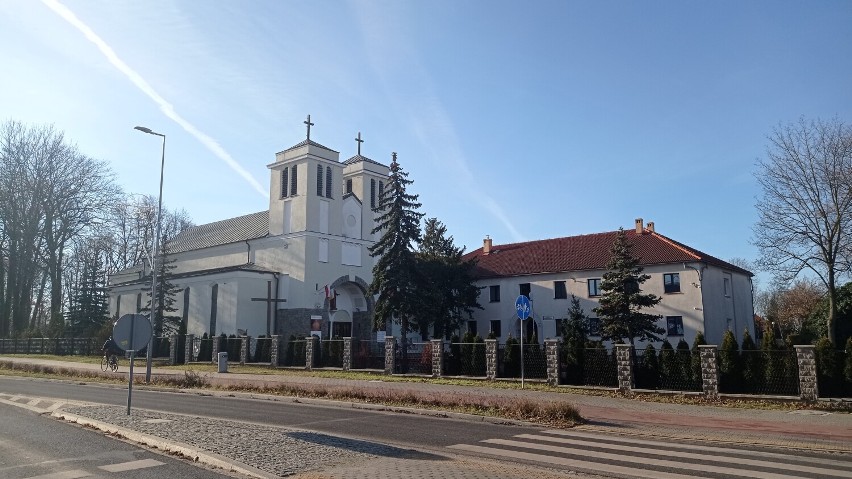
point(643, 458)
point(81, 473)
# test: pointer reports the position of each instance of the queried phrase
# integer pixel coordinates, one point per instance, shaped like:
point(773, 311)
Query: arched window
point(372, 193)
point(319, 180)
point(349, 186)
point(284, 182)
point(294, 182)
point(214, 300)
point(328, 182)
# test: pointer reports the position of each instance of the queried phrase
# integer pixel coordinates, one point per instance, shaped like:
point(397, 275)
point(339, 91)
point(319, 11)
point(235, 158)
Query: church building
point(301, 267)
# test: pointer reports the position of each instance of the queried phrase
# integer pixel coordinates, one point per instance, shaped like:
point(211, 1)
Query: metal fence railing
point(330, 354)
point(465, 359)
point(368, 354)
point(509, 361)
point(260, 350)
point(773, 372)
point(416, 358)
point(294, 353)
point(834, 373)
point(599, 367)
point(671, 370)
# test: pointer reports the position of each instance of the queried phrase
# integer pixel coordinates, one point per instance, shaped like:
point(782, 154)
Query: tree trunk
point(832, 309)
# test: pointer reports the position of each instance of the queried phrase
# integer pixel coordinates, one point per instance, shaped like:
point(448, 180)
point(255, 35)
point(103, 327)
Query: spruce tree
point(622, 299)
point(448, 291)
point(574, 331)
point(395, 275)
point(730, 364)
point(88, 310)
point(164, 322)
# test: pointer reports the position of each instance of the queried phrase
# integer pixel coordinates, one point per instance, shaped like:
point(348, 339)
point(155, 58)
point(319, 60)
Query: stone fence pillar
point(274, 347)
point(173, 348)
point(189, 349)
point(624, 357)
point(491, 359)
point(390, 354)
point(709, 355)
point(347, 354)
point(437, 357)
point(215, 349)
point(245, 341)
point(806, 358)
point(554, 366)
point(311, 346)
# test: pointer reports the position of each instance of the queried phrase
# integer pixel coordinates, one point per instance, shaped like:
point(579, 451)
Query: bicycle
point(109, 361)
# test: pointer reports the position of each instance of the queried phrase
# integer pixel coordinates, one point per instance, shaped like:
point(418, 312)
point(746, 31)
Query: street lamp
point(156, 251)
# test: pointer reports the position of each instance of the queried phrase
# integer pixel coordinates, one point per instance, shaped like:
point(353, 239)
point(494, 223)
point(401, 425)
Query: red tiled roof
point(585, 252)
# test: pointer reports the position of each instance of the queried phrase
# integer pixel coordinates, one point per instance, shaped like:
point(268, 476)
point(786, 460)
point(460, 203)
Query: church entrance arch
point(349, 308)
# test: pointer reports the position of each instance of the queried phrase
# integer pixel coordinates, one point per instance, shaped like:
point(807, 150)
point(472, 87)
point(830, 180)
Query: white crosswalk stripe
point(132, 465)
point(75, 474)
point(643, 458)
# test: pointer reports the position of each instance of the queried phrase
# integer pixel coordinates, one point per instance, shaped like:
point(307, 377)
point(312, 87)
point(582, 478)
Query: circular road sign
point(132, 332)
point(523, 306)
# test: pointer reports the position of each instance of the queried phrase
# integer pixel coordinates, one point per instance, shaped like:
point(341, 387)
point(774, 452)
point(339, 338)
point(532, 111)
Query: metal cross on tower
point(308, 122)
point(359, 140)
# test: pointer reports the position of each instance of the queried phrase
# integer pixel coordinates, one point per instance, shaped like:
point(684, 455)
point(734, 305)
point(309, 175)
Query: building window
point(319, 180)
point(594, 287)
point(494, 293)
point(560, 326)
point(294, 182)
point(471, 327)
point(284, 182)
point(496, 328)
point(214, 303)
point(328, 182)
point(671, 282)
point(674, 325)
point(524, 289)
point(372, 193)
point(594, 327)
point(349, 186)
point(727, 284)
point(559, 290)
point(381, 191)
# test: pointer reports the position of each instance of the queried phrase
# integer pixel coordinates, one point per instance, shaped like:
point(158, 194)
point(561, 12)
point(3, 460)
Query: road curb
point(191, 453)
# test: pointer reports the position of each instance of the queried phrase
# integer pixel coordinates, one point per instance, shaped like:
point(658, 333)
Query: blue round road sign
point(523, 306)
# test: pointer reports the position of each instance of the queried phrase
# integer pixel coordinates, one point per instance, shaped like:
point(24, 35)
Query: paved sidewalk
point(804, 429)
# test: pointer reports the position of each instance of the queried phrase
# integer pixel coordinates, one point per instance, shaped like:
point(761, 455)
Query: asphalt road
point(33, 446)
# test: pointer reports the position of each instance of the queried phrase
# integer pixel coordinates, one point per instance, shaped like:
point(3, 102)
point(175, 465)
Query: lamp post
point(156, 252)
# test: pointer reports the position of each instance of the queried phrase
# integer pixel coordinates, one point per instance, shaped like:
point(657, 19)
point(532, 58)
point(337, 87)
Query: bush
point(752, 366)
point(648, 370)
point(829, 369)
point(478, 361)
point(669, 366)
point(684, 362)
point(730, 371)
point(511, 359)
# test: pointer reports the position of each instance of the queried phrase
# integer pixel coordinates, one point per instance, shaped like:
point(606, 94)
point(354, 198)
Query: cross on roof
point(359, 140)
point(308, 122)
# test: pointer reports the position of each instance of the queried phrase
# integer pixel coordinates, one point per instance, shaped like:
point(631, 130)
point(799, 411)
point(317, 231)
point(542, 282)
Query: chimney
point(638, 226)
point(651, 226)
point(486, 245)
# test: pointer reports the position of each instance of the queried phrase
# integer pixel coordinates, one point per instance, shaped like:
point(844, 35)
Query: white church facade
point(301, 267)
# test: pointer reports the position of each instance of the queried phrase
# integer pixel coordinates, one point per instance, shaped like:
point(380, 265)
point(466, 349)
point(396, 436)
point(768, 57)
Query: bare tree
point(805, 214)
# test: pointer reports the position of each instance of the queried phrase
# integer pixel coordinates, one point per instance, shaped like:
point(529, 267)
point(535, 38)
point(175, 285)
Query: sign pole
point(132, 332)
point(130, 382)
point(522, 353)
point(523, 307)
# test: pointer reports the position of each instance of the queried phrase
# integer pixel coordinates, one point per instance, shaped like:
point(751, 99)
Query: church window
point(372, 193)
point(294, 182)
point(349, 186)
point(284, 182)
point(381, 191)
point(214, 300)
point(319, 180)
point(328, 182)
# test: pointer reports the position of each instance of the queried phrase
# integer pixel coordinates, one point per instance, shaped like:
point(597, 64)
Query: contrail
point(143, 85)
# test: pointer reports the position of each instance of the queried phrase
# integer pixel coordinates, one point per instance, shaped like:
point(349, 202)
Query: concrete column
point(244, 349)
point(806, 358)
point(709, 371)
point(437, 357)
point(554, 366)
point(311, 346)
point(173, 348)
point(215, 350)
point(390, 354)
point(347, 354)
point(274, 347)
point(491, 359)
point(624, 357)
point(189, 349)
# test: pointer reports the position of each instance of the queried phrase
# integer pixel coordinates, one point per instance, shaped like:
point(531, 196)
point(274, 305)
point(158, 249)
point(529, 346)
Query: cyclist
point(111, 351)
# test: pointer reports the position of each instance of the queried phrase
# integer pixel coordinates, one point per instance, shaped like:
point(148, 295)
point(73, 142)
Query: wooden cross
point(359, 140)
point(308, 122)
point(269, 300)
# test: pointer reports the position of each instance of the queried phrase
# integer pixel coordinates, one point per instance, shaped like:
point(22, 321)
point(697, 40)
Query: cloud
point(167, 108)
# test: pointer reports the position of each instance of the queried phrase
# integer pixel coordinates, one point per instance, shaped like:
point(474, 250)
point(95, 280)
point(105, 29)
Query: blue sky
point(518, 120)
